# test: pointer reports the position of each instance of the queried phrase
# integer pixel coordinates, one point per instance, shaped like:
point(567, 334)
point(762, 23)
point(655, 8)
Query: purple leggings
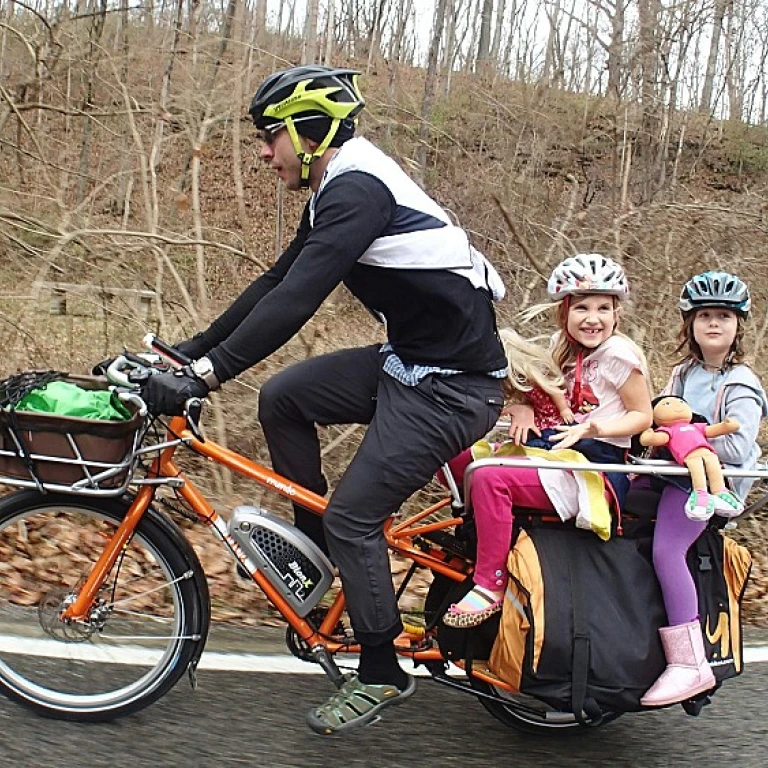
point(671, 541)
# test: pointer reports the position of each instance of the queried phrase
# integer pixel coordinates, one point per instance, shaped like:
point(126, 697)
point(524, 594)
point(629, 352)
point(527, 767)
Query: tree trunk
point(310, 33)
point(94, 55)
point(430, 85)
point(330, 25)
point(497, 35)
point(705, 103)
point(484, 43)
point(404, 12)
point(615, 51)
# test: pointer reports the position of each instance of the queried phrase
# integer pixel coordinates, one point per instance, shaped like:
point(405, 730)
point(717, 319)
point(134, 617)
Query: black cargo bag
point(580, 622)
point(579, 628)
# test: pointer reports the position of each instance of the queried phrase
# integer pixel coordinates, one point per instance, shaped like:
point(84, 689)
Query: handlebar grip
point(131, 397)
point(115, 373)
point(176, 358)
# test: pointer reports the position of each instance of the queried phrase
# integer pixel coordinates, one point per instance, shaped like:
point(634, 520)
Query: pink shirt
point(604, 373)
point(685, 438)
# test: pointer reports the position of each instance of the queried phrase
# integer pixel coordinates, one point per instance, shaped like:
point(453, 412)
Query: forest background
point(132, 197)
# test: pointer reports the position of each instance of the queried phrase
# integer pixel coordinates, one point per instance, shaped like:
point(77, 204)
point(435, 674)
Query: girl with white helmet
point(608, 392)
point(716, 383)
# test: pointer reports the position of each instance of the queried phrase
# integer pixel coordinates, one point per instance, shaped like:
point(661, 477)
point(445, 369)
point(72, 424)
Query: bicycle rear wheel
point(149, 620)
point(526, 714)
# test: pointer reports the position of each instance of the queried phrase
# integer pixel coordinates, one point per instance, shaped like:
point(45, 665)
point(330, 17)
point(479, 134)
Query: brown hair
point(691, 351)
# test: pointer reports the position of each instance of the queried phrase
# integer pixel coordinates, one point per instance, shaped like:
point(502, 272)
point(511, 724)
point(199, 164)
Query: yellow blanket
point(579, 495)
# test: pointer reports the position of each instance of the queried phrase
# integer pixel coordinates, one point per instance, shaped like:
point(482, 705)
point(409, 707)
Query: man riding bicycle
point(432, 390)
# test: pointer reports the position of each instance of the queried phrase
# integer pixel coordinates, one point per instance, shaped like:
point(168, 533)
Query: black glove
point(193, 348)
point(166, 393)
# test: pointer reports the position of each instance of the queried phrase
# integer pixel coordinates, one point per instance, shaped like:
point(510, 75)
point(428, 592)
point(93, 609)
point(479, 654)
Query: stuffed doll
point(688, 443)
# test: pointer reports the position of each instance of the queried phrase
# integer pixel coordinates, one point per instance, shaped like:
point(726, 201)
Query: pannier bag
point(720, 568)
point(579, 626)
point(63, 449)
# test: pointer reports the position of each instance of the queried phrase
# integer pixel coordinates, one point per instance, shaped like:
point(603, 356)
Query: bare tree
point(95, 48)
point(721, 6)
point(484, 41)
point(430, 87)
point(309, 46)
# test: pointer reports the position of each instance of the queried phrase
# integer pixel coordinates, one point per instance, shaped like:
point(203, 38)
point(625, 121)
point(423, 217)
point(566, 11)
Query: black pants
point(412, 431)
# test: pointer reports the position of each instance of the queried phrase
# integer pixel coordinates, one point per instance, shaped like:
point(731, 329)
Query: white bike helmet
point(587, 273)
point(715, 289)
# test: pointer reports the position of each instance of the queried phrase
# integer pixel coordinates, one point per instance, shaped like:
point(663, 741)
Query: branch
point(519, 238)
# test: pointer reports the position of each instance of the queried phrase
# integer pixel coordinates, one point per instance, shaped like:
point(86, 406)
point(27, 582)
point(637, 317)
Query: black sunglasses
point(268, 135)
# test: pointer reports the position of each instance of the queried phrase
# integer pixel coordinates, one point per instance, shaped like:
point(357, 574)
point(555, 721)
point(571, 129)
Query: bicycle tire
point(530, 716)
point(149, 623)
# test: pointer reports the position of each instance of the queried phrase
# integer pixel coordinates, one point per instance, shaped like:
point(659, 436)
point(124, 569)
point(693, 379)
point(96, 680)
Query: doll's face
point(671, 410)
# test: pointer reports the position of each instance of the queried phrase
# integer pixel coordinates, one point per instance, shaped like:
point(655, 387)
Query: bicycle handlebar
point(131, 372)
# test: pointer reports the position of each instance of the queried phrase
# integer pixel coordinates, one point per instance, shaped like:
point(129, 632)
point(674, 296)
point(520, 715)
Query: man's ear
point(309, 144)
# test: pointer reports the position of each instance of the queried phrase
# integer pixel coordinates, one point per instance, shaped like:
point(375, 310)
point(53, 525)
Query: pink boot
point(687, 673)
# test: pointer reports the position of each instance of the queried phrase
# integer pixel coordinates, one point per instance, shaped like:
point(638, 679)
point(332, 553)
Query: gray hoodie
point(741, 397)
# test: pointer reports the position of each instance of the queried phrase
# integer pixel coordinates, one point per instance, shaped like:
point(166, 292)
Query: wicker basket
point(67, 450)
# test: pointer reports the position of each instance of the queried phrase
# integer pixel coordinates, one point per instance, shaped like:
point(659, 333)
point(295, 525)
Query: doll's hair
point(530, 365)
point(691, 350)
point(696, 418)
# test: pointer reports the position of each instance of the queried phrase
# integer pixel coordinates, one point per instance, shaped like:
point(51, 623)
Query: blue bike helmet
point(715, 289)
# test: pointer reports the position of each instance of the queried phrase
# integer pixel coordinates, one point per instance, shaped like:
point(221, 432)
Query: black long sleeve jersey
point(372, 228)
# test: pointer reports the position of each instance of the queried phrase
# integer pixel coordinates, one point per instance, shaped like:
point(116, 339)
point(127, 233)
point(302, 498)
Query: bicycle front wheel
point(149, 620)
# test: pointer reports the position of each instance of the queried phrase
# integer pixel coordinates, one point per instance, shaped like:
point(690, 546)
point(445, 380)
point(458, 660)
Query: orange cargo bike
point(104, 604)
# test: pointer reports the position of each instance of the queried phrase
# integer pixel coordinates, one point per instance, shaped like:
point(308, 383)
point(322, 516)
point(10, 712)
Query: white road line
point(212, 660)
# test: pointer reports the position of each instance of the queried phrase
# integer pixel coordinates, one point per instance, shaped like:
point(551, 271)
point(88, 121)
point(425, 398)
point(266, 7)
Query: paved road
point(256, 719)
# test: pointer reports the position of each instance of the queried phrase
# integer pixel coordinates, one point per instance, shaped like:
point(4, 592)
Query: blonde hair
point(530, 366)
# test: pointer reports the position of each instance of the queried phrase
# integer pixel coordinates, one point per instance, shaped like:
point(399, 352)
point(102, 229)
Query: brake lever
point(193, 410)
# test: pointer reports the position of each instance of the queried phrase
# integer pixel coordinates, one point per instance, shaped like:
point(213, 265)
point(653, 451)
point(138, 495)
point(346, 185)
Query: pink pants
point(495, 492)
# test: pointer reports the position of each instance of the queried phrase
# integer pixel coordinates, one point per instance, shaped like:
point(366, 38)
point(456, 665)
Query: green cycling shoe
point(356, 704)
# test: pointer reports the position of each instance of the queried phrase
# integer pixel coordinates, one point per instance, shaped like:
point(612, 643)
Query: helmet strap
point(307, 158)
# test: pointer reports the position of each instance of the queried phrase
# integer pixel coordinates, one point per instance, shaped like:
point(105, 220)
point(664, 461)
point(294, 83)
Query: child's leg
point(688, 673)
point(495, 491)
point(674, 534)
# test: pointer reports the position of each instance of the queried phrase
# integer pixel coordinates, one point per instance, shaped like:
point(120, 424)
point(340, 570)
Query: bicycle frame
point(402, 538)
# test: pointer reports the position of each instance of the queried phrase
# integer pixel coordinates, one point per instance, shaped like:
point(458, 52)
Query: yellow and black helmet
point(315, 101)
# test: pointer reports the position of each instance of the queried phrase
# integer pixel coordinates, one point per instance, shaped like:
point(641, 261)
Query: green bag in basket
point(65, 399)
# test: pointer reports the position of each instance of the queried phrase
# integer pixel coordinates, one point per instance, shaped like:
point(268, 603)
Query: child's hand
point(572, 434)
point(567, 416)
point(521, 422)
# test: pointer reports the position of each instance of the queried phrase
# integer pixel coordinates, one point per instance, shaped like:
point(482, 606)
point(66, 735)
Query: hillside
point(534, 173)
